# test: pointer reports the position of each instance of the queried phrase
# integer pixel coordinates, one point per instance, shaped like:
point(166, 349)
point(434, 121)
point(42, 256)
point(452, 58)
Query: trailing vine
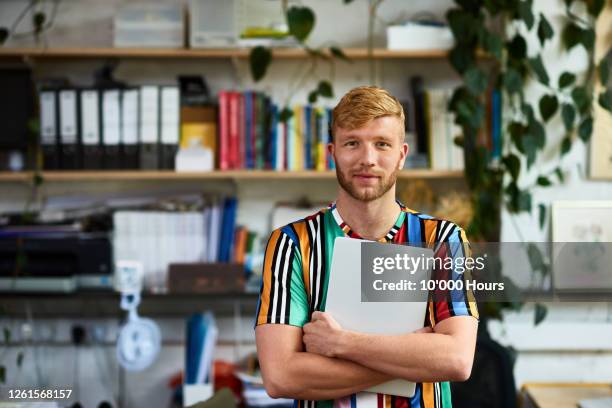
point(482, 25)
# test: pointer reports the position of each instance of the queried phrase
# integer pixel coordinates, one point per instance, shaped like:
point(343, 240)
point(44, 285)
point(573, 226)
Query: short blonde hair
point(361, 105)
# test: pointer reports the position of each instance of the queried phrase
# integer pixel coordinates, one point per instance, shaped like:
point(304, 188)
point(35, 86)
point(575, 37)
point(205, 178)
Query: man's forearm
point(416, 357)
point(310, 376)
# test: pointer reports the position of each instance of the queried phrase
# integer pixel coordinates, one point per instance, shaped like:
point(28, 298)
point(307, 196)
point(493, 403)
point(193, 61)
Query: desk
point(561, 395)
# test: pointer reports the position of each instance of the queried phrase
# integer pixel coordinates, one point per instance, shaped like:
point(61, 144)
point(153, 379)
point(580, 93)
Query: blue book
point(196, 333)
point(307, 137)
point(227, 229)
point(273, 137)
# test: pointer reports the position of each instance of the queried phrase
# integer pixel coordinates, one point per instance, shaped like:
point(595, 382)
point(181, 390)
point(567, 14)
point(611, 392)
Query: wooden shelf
point(106, 304)
point(143, 175)
point(141, 53)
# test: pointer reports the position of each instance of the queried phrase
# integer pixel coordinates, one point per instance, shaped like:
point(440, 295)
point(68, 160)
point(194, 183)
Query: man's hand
point(322, 335)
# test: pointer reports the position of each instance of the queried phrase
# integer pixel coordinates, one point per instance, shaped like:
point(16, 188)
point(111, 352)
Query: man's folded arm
point(290, 372)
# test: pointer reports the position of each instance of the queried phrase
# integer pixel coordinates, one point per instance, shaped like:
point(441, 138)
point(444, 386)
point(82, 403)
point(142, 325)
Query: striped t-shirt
point(296, 274)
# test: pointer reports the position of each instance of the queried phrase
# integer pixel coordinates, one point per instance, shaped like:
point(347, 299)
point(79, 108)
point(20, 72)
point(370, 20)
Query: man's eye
point(351, 143)
point(384, 144)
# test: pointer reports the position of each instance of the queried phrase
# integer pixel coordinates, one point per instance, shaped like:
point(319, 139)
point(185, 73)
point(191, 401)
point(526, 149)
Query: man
point(303, 352)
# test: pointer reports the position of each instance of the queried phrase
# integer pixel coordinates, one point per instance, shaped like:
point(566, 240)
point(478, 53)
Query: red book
point(234, 110)
point(240, 150)
point(234, 129)
point(224, 115)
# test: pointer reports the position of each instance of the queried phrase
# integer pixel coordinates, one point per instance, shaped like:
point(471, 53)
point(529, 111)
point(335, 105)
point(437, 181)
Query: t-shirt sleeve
point(282, 297)
point(459, 300)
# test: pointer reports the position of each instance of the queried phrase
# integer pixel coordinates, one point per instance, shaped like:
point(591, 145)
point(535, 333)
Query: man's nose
point(368, 155)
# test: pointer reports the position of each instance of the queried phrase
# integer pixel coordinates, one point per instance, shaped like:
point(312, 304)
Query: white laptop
point(344, 300)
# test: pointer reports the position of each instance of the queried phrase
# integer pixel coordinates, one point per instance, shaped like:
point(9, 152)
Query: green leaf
point(516, 130)
point(545, 30)
point(2, 374)
point(259, 58)
point(540, 313)
point(571, 36)
point(559, 174)
point(285, 114)
point(585, 129)
point(512, 81)
point(543, 181)
point(542, 215)
point(536, 260)
point(461, 58)
point(536, 130)
point(476, 80)
point(581, 98)
point(513, 164)
point(38, 20)
point(548, 106)
point(19, 359)
point(301, 21)
point(524, 201)
point(531, 146)
point(566, 145)
point(569, 115)
point(325, 89)
point(538, 68)
point(524, 11)
point(492, 43)
point(605, 100)
point(517, 47)
point(594, 7)
point(4, 33)
point(574, 35)
point(37, 179)
point(527, 111)
point(566, 79)
point(312, 96)
point(463, 25)
point(492, 6)
point(347, 1)
point(604, 71)
point(338, 53)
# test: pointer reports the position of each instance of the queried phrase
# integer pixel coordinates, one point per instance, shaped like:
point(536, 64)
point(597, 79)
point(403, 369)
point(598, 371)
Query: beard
point(369, 193)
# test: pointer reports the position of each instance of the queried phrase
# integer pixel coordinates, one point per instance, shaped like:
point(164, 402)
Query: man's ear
point(331, 149)
point(403, 153)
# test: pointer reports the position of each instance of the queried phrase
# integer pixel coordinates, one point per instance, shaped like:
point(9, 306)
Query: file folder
point(170, 125)
point(69, 137)
point(111, 128)
point(90, 129)
point(149, 127)
point(49, 142)
point(129, 129)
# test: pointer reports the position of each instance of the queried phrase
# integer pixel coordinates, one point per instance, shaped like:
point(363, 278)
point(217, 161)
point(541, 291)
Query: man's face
point(369, 158)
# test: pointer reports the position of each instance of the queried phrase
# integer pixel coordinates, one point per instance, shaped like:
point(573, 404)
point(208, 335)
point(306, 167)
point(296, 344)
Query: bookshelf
point(216, 53)
point(222, 175)
point(106, 304)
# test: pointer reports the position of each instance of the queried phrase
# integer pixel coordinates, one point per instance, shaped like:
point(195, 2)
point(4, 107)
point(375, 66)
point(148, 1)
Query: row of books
point(252, 135)
point(88, 128)
point(431, 129)
point(143, 128)
point(159, 238)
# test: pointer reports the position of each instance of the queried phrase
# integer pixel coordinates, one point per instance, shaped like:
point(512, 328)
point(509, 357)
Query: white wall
point(574, 343)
